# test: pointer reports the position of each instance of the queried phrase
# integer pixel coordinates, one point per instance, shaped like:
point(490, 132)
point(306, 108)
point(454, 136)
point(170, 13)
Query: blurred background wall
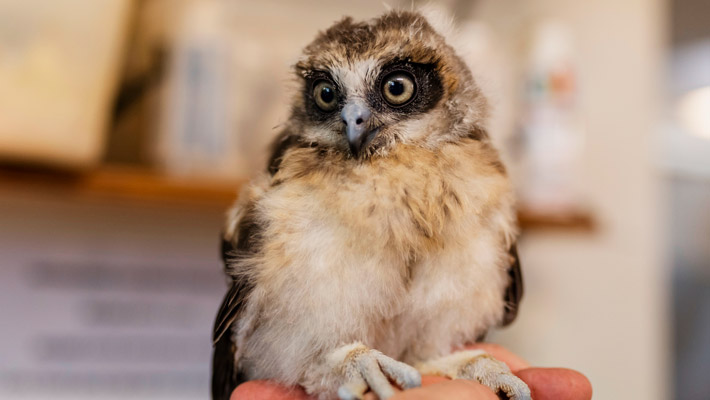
point(127, 127)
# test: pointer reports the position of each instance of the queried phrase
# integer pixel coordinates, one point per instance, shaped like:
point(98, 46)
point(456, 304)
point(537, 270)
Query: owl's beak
point(356, 115)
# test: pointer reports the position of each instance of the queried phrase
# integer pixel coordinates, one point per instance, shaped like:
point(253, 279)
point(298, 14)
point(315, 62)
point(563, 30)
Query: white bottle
point(552, 133)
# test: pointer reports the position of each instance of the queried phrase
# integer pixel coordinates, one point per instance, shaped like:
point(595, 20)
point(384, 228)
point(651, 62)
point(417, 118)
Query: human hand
point(544, 383)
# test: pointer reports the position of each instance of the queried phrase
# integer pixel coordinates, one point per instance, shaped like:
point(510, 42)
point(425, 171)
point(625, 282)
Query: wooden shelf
point(149, 187)
point(578, 220)
point(126, 184)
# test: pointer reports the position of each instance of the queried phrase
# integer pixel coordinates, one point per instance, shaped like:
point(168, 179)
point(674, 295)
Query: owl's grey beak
point(355, 115)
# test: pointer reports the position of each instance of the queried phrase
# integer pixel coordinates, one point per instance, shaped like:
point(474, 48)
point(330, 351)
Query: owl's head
point(367, 86)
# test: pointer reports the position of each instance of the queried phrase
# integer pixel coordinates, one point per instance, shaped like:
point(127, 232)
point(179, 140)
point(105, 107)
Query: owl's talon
point(497, 376)
point(366, 368)
point(481, 367)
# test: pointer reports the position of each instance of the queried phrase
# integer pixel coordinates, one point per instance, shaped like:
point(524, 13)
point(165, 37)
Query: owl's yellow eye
point(398, 88)
point(324, 95)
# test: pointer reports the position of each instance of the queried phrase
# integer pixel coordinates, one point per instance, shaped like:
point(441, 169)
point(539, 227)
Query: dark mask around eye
point(406, 88)
point(322, 96)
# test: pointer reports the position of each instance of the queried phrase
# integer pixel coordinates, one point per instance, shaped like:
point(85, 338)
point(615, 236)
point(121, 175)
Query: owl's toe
point(366, 368)
point(497, 376)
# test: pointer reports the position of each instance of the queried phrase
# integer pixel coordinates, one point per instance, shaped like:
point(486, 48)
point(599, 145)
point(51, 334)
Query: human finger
point(556, 384)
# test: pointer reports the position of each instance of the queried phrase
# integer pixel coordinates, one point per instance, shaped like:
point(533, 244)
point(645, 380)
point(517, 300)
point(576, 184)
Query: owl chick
point(382, 237)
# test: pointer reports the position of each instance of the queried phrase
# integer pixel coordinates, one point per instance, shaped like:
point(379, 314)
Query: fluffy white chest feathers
point(408, 255)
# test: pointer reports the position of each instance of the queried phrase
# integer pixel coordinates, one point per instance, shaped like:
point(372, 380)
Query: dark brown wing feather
point(514, 292)
point(230, 309)
point(224, 374)
point(284, 141)
point(224, 371)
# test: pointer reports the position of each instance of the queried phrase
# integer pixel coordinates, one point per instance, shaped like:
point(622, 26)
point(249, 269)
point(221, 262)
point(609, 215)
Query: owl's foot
point(479, 366)
point(365, 368)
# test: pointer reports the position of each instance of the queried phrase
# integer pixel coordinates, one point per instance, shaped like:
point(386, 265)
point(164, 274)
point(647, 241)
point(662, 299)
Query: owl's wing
point(514, 291)
point(233, 301)
point(224, 364)
point(242, 237)
point(225, 376)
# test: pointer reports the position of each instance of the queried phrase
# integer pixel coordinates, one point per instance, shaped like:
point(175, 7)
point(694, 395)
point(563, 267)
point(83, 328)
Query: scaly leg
point(479, 366)
point(365, 368)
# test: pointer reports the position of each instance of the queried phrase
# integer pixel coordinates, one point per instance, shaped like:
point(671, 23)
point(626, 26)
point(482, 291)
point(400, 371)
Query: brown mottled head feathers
point(356, 56)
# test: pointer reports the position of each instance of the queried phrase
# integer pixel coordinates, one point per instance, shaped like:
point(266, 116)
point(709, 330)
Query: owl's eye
point(398, 88)
point(324, 95)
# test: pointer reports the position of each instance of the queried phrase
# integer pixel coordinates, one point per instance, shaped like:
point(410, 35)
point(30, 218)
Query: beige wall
point(599, 302)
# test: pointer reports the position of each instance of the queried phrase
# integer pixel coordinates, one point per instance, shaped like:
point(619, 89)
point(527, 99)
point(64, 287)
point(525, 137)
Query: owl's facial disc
point(366, 107)
point(356, 117)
